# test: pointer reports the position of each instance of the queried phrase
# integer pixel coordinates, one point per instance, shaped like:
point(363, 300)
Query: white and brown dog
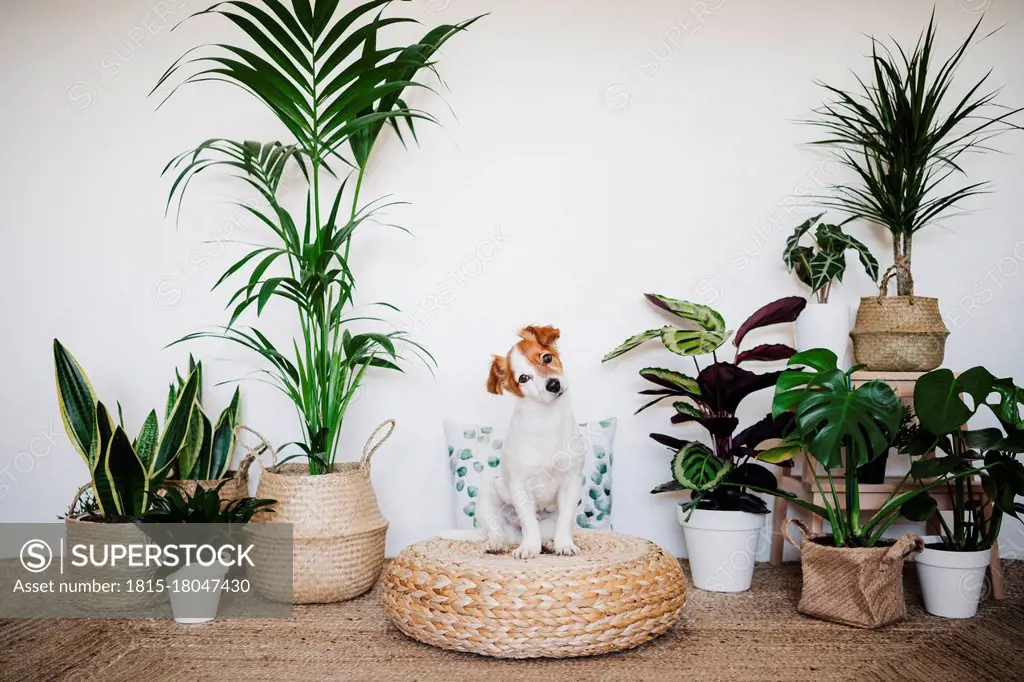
point(542, 455)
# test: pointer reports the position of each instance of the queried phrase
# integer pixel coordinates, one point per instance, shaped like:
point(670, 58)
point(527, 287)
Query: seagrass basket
point(620, 592)
point(899, 333)
point(338, 531)
point(235, 488)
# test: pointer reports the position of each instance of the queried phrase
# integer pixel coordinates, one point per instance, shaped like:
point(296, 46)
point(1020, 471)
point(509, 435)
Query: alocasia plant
point(721, 475)
point(820, 265)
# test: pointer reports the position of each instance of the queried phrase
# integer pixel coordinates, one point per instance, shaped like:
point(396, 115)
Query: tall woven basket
point(862, 587)
point(899, 333)
point(338, 530)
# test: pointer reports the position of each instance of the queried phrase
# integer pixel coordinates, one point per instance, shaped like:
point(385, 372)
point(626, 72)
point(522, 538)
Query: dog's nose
point(553, 386)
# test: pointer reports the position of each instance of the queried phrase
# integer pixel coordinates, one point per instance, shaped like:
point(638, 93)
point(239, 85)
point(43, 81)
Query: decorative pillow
point(474, 452)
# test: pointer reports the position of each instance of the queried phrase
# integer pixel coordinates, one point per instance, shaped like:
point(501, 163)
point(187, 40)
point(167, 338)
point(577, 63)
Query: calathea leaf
point(669, 379)
point(766, 353)
point(719, 427)
point(777, 312)
point(667, 487)
point(673, 444)
point(753, 474)
point(702, 316)
point(695, 467)
point(724, 385)
point(632, 342)
point(768, 428)
point(689, 342)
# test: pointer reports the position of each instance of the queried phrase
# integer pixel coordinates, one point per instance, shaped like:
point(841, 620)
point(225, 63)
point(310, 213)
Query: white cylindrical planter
point(952, 582)
point(195, 605)
point(722, 547)
point(825, 325)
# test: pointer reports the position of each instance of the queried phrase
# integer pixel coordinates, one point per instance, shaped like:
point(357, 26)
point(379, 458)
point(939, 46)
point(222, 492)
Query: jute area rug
point(757, 635)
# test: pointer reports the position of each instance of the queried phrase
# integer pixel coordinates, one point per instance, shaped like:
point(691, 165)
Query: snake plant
point(208, 447)
point(332, 85)
point(125, 473)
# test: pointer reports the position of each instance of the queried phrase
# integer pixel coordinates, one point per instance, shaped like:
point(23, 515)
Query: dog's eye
point(523, 378)
point(546, 358)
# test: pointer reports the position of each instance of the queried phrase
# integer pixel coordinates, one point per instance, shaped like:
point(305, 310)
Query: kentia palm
point(330, 85)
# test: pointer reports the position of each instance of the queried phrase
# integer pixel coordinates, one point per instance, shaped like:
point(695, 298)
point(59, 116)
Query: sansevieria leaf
point(175, 430)
point(105, 495)
point(693, 341)
point(77, 401)
point(695, 467)
point(704, 317)
point(224, 439)
point(632, 342)
point(126, 475)
point(145, 442)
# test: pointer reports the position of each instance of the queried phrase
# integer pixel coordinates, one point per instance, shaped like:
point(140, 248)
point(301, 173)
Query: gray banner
point(192, 572)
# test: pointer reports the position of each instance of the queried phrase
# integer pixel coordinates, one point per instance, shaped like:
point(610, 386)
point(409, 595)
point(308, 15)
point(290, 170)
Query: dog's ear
point(499, 372)
point(544, 335)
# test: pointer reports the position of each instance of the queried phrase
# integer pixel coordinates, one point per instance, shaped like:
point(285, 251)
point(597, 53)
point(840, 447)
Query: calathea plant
point(125, 473)
point(332, 84)
point(718, 476)
point(820, 265)
point(207, 451)
point(979, 467)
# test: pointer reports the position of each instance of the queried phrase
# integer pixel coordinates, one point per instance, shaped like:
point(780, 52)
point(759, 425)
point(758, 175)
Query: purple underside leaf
point(716, 426)
point(766, 353)
point(724, 385)
point(674, 444)
point(782, 310)
point(765, 429)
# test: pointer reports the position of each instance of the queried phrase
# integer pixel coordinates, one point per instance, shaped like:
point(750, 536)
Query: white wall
point(616, 148)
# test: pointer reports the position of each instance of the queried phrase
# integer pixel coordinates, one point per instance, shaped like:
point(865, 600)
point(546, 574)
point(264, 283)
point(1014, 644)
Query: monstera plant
point(717, 474)
point(125, 473)
point(820, 265)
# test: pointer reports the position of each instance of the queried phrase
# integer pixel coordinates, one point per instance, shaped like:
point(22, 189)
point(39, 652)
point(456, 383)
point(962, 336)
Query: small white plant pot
point(952, 583)
point(825, 325)
point(191, 606)
point(722, 547)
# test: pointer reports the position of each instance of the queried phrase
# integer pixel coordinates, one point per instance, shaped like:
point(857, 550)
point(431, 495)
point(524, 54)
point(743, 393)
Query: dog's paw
point(527, 550)
point(495, 546)
point(566, 548)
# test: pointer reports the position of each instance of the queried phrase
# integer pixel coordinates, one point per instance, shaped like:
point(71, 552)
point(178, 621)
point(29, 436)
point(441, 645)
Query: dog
point(540, 479)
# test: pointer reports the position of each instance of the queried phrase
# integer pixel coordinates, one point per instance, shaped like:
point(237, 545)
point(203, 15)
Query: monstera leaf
point(702, 316)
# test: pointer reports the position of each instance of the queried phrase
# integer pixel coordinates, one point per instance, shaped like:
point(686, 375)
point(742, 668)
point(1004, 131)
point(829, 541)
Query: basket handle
point(77, 497)
point(907, 546)
point(805, 532)
point(253, 453)
point(371, 446)
point(883, 287)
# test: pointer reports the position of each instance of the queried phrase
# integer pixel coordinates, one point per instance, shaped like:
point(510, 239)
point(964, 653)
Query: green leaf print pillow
point(474, 453)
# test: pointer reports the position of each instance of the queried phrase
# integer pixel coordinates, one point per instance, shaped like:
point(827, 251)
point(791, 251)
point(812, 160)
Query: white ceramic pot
point(191, 605)
point(952, 582)
point(722, 547)
point(825, 325)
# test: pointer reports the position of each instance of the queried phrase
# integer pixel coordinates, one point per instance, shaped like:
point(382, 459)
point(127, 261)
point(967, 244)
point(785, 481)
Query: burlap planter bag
point(236, 488)
point(338, 530)
point(862, 586)
point(899, 333)
point(100, 534)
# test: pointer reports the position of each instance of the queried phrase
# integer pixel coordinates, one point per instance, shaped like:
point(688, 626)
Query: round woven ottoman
point(618, 593)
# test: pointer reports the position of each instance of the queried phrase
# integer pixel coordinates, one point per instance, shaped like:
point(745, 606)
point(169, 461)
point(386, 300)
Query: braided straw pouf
point(618, 593)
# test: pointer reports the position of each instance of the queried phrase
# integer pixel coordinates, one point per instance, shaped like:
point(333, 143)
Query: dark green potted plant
point(904, 131)
point(978, 471)
point(179, 505)
point(824, 323)
point(853, 575)
point(723, 519)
